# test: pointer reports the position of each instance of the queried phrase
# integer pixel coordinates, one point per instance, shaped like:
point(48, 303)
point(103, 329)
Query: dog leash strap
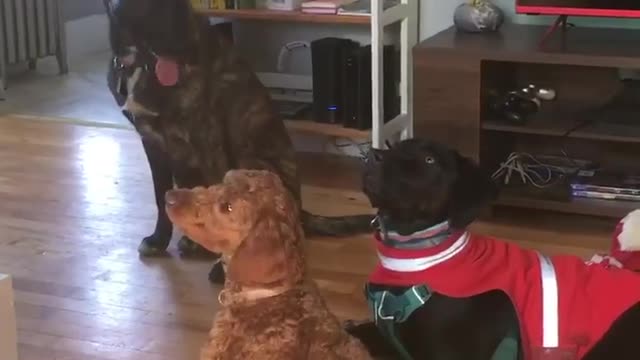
point(508, 349)
point(550, 338)
point(389, 310)
point(389, 329)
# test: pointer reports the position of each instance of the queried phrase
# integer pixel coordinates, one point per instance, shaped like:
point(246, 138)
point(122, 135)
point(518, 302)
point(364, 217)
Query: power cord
point(530, 170)
point(287, 48)
point(363, 147)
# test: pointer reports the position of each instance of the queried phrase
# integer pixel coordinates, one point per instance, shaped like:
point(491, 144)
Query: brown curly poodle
point(270, 310)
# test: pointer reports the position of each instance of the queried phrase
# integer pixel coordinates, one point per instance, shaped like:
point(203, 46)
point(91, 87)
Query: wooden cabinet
point(454, 73)
point(446, 99)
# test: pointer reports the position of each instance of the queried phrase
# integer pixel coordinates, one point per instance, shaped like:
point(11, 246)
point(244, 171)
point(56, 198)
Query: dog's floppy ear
point(268, 256)
point(472, 191)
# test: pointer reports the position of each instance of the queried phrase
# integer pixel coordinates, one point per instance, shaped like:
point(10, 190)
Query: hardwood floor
point(74, 203)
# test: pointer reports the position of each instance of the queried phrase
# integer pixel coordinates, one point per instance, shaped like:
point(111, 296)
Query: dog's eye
point(429, 160)
point(226, 208)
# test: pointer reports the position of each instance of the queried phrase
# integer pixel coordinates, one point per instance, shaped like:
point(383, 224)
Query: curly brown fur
point(217, 117)
point(270, 310)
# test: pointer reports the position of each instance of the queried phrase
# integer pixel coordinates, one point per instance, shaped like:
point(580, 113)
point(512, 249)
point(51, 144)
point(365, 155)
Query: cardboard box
point(8, 329)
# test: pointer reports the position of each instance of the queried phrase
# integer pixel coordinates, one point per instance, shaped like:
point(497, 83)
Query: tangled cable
point(530, 169)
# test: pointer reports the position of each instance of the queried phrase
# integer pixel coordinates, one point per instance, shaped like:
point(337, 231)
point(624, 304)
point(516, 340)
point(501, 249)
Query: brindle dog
point(199, 108)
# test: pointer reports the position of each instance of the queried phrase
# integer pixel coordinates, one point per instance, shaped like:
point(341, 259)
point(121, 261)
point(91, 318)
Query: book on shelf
point(603, 184)
point(209, 4)
point(363, 7)
point(604, 178)
point(329, 7)
point(223, 4)
point(604, 196)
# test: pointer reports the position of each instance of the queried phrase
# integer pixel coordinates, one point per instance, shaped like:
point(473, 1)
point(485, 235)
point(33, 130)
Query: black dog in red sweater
point(427, 195)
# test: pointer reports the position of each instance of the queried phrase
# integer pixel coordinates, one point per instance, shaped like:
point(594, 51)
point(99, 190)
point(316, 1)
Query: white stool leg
point(8, 328)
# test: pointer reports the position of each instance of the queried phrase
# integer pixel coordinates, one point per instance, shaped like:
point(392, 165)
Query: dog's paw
point(371, 338)
point(189, 248)
point(349, 324)
point(354, 326)
point(153, 246)
point(217, 275)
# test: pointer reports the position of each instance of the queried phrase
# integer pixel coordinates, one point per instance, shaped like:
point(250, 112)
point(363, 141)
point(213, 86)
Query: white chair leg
point(8, 328)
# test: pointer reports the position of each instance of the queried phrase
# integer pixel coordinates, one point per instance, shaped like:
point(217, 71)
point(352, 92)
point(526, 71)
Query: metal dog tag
point(119, 84)
point(118, 70)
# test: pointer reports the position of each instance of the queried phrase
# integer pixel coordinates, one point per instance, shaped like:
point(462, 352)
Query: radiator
point(30, 30)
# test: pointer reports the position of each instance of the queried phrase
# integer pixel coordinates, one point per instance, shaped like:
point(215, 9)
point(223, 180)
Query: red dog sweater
point(563, 303)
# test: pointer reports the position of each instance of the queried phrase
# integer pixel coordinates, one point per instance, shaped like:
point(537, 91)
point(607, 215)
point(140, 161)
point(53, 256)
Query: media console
point(455, 72)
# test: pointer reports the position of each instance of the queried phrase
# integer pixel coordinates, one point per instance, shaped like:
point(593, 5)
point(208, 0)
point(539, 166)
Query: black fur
point(418, 183)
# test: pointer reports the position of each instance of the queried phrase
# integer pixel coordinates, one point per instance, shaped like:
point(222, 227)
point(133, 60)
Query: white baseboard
point(87, 35)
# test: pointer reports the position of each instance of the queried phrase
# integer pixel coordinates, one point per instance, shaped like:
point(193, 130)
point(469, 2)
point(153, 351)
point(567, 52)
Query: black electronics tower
point(327, 58)
point(342, 82)
point(357, 77)
point(356, 80)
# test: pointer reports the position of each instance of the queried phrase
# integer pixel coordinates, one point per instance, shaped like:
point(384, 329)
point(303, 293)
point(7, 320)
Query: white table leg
point(8, 329)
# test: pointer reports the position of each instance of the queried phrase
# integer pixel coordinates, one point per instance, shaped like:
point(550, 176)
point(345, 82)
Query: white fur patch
point(130, 59)
point(629, 238)
point(131, 105)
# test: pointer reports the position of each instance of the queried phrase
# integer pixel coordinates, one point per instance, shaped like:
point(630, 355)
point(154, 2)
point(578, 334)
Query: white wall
point(86, 35)
point(436, 15)
point(76, 9)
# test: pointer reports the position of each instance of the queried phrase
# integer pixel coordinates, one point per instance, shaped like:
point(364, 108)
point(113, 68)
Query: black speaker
point(357, 81)
point(328, 56)
point(357, 85)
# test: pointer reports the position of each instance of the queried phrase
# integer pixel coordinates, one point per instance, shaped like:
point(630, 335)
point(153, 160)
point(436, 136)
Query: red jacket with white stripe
point(562, 302)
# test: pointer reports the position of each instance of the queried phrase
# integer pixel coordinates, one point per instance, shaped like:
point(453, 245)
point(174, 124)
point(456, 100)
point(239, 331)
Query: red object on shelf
point(581, 8)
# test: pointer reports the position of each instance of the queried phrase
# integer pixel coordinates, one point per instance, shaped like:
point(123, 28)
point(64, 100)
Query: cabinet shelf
point(602, 132)
point(583, 206)
point(557, 120)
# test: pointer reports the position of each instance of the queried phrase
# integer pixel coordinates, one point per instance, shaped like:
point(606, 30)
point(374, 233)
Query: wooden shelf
point(601, 131)
point(286, 16)
point(557, 120)
point(582, 206)
point(451, 68)
point(312, 127)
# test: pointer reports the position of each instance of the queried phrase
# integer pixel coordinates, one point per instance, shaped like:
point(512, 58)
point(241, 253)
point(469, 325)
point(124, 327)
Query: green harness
point(390, 310)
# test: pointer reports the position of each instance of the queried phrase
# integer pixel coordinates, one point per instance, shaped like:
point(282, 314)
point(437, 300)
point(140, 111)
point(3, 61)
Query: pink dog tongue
point(166, 72)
